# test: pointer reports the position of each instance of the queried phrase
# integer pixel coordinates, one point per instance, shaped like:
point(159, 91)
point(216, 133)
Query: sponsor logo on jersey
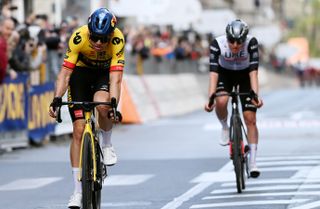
point(255, 55)
point(78, 113)
point(254, 47)
point(116, 40)
point(215, 49)
point(121, 62)
point(77, 39)
point(238, 56)
point(113, 21)
point(120, 52)
point(68, 50)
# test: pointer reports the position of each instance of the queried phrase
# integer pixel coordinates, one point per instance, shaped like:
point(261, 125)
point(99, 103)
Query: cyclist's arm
point(117, 64)
point(72, 53)
point(254, 64)
point(213, 83)
point(115, 84)
point(254, 81)
point(214, 66)
point(62, 81)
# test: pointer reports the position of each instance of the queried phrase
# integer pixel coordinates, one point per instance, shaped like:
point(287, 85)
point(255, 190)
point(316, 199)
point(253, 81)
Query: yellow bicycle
point(93, 171)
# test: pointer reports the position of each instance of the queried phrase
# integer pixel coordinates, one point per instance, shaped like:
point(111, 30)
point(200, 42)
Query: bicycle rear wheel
point(87, 173)
point(236, 137)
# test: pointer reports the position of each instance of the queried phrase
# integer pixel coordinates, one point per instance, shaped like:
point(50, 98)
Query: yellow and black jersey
point(81, 53)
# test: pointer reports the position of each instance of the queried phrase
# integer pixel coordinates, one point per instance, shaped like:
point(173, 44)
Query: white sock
point(253, 152)
point(106, 138)
point(77, 183)
point(224, 123)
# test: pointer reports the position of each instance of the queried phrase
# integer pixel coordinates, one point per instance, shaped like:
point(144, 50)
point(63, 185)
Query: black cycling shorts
point(83, 84)
point(229, 78)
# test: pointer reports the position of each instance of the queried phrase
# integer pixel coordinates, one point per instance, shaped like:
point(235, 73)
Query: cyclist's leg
point(253, 135)
point(249, 115)
point(224, 85)
point(105, 124)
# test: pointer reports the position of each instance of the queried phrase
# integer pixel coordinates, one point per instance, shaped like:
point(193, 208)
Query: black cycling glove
point(118, 116)
point(56, 102)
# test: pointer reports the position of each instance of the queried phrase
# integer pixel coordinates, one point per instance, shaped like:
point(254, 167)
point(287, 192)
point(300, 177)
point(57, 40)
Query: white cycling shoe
point(110, 157)
point(75, 201)
point(254, 171)
point(224, 140)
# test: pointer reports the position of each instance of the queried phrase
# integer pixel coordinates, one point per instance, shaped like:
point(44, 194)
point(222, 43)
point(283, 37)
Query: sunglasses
point(233, 40)
point(95, 38)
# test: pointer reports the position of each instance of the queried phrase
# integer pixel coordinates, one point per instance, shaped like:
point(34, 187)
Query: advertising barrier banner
point(40, 123)
point(24, 109)
point(13, 103)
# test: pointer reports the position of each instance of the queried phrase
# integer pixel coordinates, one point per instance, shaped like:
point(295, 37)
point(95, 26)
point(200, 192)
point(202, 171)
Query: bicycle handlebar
point(87, 106)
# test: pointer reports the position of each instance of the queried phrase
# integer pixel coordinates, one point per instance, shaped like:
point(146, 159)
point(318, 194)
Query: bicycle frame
point(236, 115)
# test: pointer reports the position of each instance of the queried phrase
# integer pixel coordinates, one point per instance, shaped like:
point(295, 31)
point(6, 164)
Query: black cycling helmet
point(237, 30)
point(101, 22)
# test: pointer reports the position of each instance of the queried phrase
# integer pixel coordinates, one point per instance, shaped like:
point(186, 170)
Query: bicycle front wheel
point(87, 173)
point(236, 137)
point(96, 195)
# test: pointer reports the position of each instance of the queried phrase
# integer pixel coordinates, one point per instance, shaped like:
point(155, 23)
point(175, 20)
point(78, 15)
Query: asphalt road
point(176, 163)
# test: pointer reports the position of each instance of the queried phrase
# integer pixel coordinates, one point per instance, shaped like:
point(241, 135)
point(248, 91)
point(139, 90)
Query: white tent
point(268, 35)
point(214, 21)
point(179, 13)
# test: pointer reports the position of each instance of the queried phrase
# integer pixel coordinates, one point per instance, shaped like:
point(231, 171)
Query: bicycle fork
point(88, 129)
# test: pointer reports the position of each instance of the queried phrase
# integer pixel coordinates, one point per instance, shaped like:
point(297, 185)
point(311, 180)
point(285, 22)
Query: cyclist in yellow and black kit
point(92, 71)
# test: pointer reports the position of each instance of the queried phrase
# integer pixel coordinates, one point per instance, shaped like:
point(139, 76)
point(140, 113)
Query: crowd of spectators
point(32, 47)
point(163, 44)
point(35, 45)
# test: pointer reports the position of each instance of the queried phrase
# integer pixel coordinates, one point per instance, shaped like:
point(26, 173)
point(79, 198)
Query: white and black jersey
point(221, 56)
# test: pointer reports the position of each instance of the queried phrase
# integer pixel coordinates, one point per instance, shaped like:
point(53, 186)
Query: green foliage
point(307, 25)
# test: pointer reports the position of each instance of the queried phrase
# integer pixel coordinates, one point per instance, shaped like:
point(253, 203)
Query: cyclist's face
point(235, 47)
point(235, 44)
point(99, 42)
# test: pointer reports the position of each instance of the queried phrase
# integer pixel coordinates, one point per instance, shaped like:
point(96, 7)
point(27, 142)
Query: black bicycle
point(238, 150)
point(93, 171)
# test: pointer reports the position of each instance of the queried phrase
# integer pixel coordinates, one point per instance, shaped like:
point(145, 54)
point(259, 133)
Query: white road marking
point(214, 177)
point(197, 189)
point(311, 205)
point(276, 158)
point(247, 203)
point(275, 181)
point(274, 124)
point(283, 162)
point(284, 168)
point(126, 180)
point(269, 194)
point(177, 202)
point(226, 174)
point(268, 188)
point(124, 204)
point(31, 183)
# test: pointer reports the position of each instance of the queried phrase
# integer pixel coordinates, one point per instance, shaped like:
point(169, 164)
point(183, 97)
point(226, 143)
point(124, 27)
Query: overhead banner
point(13, 103)
point(40, 124)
